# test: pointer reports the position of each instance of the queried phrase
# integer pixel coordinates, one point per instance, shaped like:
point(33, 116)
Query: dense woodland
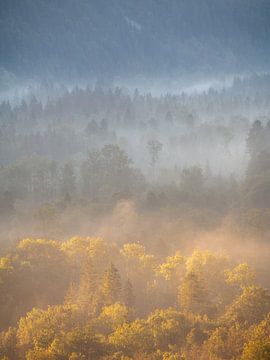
point(70, 39)
point(121, 302)
point(135, 226)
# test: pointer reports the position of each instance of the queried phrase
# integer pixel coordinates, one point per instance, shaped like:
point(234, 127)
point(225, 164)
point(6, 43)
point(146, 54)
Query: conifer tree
point(88, 284)
point(111, 286)
point(128, 295)
point(193, 296)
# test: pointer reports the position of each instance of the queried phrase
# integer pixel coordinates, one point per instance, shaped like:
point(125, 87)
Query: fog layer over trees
point(145, 224)
point(134, 180)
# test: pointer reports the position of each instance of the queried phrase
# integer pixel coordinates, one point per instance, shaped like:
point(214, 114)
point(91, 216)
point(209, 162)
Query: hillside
point(77, 39)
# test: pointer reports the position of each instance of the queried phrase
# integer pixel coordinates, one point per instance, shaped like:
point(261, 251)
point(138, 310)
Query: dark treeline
point(67, 127)
point(71, 40)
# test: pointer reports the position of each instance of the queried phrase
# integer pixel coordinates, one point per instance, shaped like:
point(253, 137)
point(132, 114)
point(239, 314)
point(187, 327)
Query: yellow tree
point(111, 286)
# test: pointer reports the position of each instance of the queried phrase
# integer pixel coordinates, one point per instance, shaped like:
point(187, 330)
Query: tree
point(255, 143)
point(154, 148)
point(241, 275)
point(92, 174)
point(168, 328)
point(133, 337)
point(109, 171)
point(111, 286)
point(128, 295)
point(39, 328)
point(192, 180)
point(113, 316)
point(211, 267)
point(224, 343)
point(80, 341)
point(193, 296)
point(258, 345)
point(42, 265)
point(172, 267)
point(87, 293)
point(68, 180)
point(250, 307)
point(8, 344)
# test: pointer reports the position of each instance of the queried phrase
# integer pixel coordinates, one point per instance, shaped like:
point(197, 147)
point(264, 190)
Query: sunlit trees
point(86, 296)
point(193, 295)
point(241, 276)
point(172, 268)
point(45, 267)
point(258, 344)
point(8, 344)
point(39, 328)
point(224, 343)
point(7, 295)
point(250, 307)
point(128, 294)
point(80, 343)
point(168, 328)
point(111, 286)
point(211, 268)
point(136, 258)
point(140, 268)
point(113, 316)
point(131, 338)
point(58, 333)
point(102, 317)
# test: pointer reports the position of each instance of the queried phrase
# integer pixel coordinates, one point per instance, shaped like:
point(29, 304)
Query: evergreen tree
point(68, 180)
point(255, 139)
point(193, 296)
point(128, 295)
point(88, 285)
point(111, 285)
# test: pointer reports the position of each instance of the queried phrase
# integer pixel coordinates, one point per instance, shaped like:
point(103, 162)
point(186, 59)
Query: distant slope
point(76, 38)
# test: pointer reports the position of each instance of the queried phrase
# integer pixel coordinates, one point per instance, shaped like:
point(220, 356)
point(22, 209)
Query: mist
point(134, 180)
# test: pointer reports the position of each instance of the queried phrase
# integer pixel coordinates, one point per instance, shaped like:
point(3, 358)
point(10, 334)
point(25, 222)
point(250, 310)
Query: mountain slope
point(125, 37)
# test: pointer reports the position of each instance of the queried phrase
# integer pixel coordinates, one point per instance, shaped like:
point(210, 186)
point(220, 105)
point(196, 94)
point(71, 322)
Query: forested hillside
point(102, 38)
point(134, 180)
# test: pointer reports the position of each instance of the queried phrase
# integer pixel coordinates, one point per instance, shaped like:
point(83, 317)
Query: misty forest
point(134, 180)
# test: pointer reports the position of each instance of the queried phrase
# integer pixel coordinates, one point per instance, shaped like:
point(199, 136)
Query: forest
point(134, 180)
point(70, 40)
point(135, 226)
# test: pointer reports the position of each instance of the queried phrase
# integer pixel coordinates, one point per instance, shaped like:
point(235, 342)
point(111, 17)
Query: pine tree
point(71, 294)
point(68, 180)
point(128, 295)
point(88, 284)
point(193, 296)
point(111, 286)
point(255, 139)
